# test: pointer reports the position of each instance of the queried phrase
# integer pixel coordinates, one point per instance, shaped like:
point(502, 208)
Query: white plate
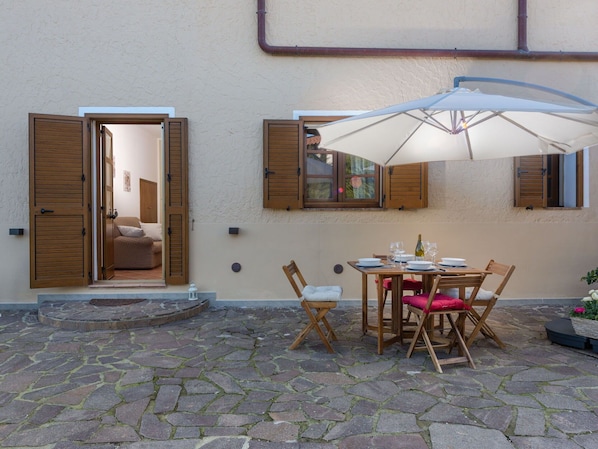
point(361, 265)
point(453, 260)
point(444, 264)
point(404, 258)
point(421, 269)
point(369, 260)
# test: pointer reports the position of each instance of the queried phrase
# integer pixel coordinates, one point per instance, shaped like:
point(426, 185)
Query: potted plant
point(584, 318)
point(591, 277)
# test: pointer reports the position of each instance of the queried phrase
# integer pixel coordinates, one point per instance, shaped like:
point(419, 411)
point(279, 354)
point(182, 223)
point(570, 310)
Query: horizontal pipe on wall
point(522, 53)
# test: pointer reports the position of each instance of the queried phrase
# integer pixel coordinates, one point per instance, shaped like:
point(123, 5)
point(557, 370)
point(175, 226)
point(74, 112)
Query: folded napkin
point(322, 293)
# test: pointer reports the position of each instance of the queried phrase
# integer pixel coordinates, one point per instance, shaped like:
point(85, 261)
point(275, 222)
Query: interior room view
point(136, 190)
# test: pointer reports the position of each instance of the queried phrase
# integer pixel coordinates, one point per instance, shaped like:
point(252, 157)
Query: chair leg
point(460, 341)
point(480, 324)
point(314, 321)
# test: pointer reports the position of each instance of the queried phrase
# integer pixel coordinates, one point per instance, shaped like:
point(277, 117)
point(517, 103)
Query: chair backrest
point(295, 277)
point(500, 269)
point(473, 281)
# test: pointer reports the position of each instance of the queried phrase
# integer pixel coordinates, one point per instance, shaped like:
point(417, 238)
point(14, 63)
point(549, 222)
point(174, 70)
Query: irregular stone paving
point(225, 380)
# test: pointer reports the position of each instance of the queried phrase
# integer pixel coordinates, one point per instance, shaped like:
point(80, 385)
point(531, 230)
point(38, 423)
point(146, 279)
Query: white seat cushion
point(482, 294)
point(322, 293)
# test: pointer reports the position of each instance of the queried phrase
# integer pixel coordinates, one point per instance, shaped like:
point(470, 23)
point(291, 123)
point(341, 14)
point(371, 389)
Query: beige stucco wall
point(202, 58)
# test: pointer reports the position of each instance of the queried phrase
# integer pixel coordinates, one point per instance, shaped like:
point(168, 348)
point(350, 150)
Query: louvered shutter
point(284, 142)
point(59, 201)
point(530, 181)
point(406, 186)
point(176, 200)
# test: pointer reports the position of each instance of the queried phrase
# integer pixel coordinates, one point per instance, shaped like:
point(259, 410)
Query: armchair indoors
point(133, 247)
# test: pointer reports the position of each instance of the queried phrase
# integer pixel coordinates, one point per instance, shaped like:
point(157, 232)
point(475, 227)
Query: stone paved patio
point(224, 379)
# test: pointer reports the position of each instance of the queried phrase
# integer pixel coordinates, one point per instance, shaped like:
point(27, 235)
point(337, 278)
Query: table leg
point(397, 306)
point(364, 303)
point(381, 314)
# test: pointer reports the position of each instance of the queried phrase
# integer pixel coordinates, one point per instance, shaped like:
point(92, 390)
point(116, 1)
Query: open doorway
point(72, 208)
point(130, 231)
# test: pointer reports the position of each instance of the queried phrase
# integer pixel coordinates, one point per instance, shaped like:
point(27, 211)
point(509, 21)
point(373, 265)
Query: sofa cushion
point(153, 230)
point(131, 231)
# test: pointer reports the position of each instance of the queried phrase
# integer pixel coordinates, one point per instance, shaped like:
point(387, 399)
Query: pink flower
point(579, 310)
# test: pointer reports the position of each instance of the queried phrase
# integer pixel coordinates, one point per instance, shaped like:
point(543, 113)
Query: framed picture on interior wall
point(126, 180)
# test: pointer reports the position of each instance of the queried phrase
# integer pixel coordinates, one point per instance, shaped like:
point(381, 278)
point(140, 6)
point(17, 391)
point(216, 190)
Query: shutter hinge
point(83, 231)
point(168, 177)
point(83, 177)
point(169, 231)
point(298, 171)
point(390, 170)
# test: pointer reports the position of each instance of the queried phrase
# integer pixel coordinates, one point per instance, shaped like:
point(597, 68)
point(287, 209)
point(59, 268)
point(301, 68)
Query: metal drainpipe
point(522, 53)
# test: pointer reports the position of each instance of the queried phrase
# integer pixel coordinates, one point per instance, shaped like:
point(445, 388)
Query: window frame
point(540, 182)
point(284, 158)
point(338, 197)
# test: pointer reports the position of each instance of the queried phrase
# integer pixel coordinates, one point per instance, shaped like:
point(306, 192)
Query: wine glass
point(426, 245)
point(432, 250)
point(392, 251)
point(399, 251)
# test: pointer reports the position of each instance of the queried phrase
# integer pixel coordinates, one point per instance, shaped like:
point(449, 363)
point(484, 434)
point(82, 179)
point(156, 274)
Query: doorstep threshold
point(129, 284)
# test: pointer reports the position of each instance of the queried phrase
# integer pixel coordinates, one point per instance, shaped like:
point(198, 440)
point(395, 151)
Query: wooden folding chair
point(425, 307)
point(487, 300)
point(409, 284)
point(317, 302)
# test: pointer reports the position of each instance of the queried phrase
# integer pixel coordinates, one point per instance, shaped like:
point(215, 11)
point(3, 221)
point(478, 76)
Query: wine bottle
point(419, 249)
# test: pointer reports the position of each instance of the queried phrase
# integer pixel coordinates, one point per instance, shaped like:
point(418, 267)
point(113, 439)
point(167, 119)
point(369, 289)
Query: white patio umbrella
point(461, 124)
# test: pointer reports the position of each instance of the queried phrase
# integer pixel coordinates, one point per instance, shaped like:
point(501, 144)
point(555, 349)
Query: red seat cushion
point(441, 302)
point(412, 284)
point(408, 284)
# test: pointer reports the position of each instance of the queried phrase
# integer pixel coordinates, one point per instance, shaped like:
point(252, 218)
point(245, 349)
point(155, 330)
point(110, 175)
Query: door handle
point(43, 211)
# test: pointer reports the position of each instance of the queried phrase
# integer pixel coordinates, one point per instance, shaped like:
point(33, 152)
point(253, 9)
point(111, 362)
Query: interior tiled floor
point(137, 275)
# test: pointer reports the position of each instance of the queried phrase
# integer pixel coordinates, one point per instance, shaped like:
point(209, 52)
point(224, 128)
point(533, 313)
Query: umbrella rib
point(557, 145)
point(344, 136)
point(404, 142)
point(466, 132)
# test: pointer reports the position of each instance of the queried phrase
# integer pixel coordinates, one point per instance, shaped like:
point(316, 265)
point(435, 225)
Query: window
point(552, 180)
point(337, 179)
point(298, 174)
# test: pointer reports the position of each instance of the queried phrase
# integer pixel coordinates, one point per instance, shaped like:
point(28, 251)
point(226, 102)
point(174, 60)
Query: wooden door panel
point(176, 202)
point(59, 200)
point(148, 201)
point(107, 211)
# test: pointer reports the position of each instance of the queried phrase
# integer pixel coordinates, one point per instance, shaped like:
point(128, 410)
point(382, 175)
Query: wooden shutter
point(176, 200)
point(284, 142)
point(59, 201)
point(530, 181)
point(406, 186)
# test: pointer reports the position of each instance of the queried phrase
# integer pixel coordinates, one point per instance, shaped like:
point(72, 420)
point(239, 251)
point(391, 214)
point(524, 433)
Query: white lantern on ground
point(192, 292)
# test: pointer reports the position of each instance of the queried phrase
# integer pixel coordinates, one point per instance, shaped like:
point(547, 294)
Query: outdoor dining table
point(394, 326)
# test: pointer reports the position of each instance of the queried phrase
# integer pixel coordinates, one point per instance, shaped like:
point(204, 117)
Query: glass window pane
point(319, 188)
point(319, 164)
point(358, 166)
point(359, 187)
